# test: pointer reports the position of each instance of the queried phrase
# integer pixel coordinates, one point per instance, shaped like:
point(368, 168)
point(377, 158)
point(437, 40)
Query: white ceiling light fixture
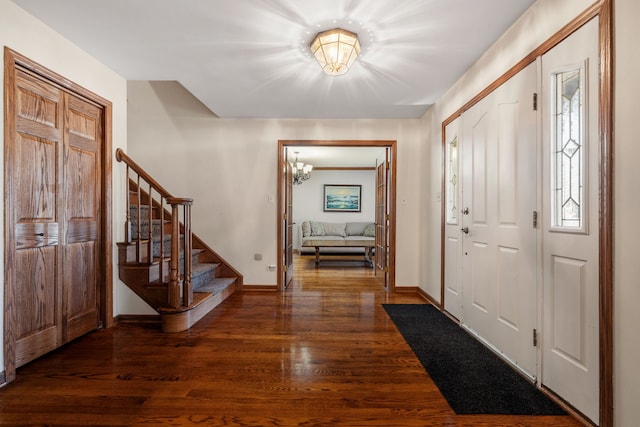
point(335, 50)
point(300, 171)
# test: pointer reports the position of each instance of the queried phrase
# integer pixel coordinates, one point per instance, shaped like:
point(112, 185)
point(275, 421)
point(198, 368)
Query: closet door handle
point(465, 230)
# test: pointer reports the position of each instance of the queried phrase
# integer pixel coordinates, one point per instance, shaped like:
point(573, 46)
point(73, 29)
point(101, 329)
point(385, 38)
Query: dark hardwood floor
point(323, 353)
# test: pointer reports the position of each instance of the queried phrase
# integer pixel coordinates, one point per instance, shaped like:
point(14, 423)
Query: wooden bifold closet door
point(53, 200)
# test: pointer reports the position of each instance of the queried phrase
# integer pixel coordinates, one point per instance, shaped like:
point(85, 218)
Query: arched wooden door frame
point(391, 145)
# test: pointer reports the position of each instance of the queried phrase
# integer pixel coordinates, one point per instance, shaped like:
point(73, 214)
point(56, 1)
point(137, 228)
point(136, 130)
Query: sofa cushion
point(370, 230)
point(334, 229)
point(355, 228)
point(317, 228)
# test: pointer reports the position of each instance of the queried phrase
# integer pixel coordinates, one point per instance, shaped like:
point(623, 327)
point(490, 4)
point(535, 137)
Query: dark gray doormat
point(471, 377)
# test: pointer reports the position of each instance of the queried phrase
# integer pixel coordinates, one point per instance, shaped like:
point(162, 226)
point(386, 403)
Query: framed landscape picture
point(342, 198)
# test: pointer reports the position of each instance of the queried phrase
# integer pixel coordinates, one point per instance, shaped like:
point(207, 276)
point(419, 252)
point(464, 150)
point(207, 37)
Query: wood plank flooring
point(323, 353)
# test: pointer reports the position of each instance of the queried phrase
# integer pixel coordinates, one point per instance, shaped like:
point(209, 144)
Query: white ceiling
point(250, 58)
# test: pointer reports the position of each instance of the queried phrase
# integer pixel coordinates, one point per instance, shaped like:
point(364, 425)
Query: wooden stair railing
point(180, 291)
point(164, 278)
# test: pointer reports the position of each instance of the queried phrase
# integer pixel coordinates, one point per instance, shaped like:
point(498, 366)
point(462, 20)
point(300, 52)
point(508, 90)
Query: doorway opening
point(381, 199)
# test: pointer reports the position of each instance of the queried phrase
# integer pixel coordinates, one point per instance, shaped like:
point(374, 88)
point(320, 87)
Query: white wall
point(28, 36)
point(542, 20)
point(229, 167)
point(308, 198)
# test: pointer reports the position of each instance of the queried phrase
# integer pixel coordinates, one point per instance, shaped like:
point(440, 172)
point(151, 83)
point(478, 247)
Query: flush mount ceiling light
point(335, 50)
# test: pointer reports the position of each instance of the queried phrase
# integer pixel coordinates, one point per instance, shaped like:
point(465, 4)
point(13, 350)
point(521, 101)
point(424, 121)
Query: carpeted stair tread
point(202, 273)
point(144, 230)
point(217, 285)
point(133, 211)
point(200, 268)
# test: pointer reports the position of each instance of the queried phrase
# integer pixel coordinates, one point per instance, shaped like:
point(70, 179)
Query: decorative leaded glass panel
point(452, 180)
point(569, 153)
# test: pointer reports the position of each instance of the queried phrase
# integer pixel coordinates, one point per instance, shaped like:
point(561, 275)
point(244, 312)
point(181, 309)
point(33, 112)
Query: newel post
point(180, 286)
point(174, 277)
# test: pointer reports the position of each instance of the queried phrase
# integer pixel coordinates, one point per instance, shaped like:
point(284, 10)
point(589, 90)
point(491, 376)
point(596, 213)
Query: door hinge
point(535, 337)
point(284, 216)
point(535, 219)
point(535, 102)
point(284, 268)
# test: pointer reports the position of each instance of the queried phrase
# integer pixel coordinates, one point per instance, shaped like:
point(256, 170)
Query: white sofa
point(339, 235)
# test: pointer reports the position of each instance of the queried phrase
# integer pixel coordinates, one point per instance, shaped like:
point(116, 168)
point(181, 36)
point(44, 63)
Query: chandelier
point(300, 171)
point(335, 50)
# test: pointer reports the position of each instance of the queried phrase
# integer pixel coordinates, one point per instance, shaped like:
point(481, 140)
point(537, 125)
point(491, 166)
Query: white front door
point(499, 187)
point(452, 215)
point(570, 359)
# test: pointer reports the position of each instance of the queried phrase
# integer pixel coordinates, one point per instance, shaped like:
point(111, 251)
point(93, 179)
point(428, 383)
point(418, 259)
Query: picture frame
point(342, 198)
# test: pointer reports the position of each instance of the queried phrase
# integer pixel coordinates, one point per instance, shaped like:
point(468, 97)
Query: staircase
point(162, 261)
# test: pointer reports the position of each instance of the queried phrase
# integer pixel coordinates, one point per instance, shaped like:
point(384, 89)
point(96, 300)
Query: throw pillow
point(356, 228)
point(306, 229)
point(317, 228)
point(370, 230)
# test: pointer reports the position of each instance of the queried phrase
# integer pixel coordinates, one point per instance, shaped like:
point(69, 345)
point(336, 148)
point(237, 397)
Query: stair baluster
point(150, 236)
point(161, 251)
point(127, 224)
point(188, 247)
point(139, 223)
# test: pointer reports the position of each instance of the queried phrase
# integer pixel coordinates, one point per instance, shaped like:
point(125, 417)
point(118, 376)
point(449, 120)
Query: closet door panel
point(82, 213)
point(36, 217)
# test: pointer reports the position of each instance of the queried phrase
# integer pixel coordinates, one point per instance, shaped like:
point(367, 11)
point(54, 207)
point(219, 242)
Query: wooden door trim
point(288, 221)
point(13, 61)
point(392, 145)
point(603, 9)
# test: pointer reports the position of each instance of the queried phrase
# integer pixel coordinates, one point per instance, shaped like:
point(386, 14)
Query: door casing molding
point(391, 144)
